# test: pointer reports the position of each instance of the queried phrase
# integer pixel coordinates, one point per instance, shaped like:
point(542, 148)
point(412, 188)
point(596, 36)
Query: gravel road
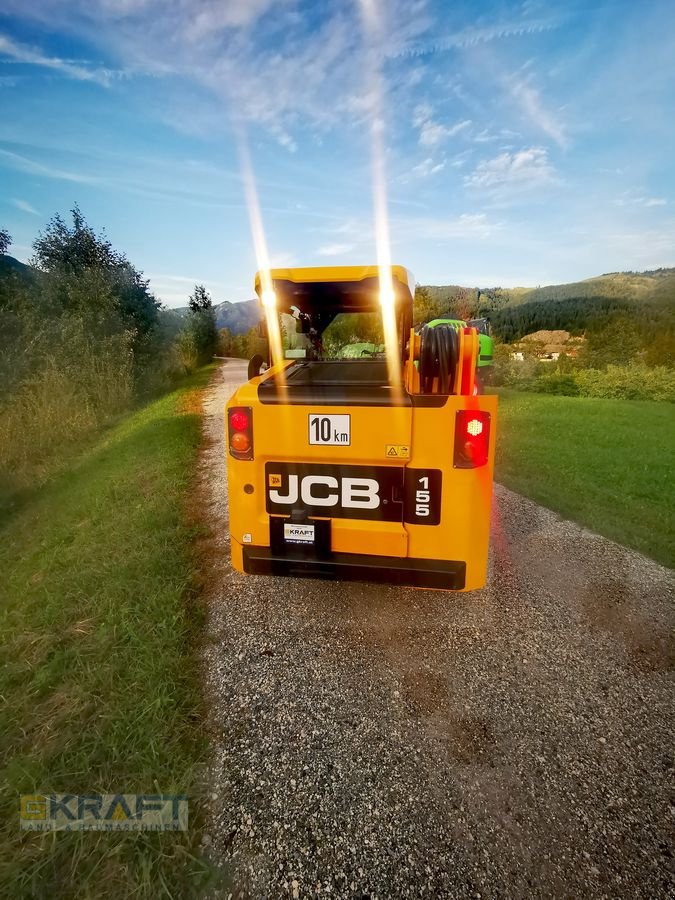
point(376, 741)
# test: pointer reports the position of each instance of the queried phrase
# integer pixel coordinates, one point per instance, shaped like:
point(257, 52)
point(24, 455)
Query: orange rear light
point(240, 442)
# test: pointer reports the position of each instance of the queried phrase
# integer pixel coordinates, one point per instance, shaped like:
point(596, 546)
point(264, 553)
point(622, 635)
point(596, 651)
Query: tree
point(425, 308)
point(83, 272)
point(200, 325)
point(224, 342)
point(5, 241)
point(200, 299)
point(617, 342)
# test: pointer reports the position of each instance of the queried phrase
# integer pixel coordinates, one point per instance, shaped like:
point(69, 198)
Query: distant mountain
point(9, 265)
point(236, 317)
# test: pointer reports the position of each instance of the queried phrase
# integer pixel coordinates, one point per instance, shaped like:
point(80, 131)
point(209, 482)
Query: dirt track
point(377, 741)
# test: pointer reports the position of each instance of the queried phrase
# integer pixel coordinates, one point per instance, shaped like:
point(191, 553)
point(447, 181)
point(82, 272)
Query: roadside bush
point(188, 351)
point(562, 383)
point(81, 382)
point(81, 341)
point(635, 381)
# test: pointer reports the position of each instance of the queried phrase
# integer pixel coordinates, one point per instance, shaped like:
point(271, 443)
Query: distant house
point(547, 345)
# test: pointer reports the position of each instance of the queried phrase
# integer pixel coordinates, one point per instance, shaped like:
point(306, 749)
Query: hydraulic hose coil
point(439, 355)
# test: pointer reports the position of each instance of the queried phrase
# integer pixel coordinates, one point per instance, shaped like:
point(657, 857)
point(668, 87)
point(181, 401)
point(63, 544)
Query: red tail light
point(472, 439)
point(240, 431)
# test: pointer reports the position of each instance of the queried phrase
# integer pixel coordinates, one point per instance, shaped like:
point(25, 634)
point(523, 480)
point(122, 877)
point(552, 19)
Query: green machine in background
point(485, 342)
point(364, 349)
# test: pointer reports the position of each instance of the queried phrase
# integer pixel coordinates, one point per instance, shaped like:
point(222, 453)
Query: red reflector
point(239, 420)
point(472, 439)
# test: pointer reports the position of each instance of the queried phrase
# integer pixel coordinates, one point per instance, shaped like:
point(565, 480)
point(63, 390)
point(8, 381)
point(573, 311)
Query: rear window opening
point(338, 371)
point(349, 335)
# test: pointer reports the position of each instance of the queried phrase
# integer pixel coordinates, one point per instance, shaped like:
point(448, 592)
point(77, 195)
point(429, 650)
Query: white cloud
point(428, 167)
point(485, 136)
point(20, 53)
point(282, 259)
point(335, 249)
point(24, 206)
point(432, 132)
point(286, 141)
point(468, 225)
point(264, 62)
point(630, 198)
point(470, 37)
point(23, 164)
point(530, 101)
point(523, 170)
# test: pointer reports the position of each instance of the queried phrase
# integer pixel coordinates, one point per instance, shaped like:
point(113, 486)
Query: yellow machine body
point(349, 478)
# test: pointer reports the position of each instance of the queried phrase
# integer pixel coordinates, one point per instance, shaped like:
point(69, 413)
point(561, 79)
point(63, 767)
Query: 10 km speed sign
point(334, 431)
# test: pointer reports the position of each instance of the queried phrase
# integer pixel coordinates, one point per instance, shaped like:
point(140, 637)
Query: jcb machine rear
point(336, 470)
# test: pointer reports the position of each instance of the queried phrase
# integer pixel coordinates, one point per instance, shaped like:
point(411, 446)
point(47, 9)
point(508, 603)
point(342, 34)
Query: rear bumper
point(447, 575)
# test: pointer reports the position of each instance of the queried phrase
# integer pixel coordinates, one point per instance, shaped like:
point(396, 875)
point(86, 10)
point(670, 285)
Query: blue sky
point(525, 143)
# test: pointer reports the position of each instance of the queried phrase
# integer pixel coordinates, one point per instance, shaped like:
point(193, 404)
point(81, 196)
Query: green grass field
point(98, 682)
point(607, 464)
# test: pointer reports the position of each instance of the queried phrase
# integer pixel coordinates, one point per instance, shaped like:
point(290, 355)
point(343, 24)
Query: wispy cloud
point(503, 134)
point(21, 53)
point(523, 170)
point(428, 167)
point(24, 164)
point(432, 133)
point(529, 99)
point(334, 249)
point(24, 206)
point(467, 226)
point(282, 258)
point(631, 198)
point(142, 187)
point(470, 37)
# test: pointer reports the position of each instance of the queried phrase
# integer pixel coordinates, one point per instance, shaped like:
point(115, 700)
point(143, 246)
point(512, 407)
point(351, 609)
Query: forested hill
point(574, 307)
point(656, 286)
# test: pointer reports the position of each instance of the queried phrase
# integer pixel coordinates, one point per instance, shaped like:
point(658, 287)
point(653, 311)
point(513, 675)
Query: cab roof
point(346, 287)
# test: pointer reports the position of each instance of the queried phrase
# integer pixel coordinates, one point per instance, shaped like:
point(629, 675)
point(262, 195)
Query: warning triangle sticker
point(392, 451)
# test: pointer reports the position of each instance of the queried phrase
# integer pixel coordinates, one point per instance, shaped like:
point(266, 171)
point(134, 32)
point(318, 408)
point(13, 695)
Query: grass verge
point(607, 464)
point(99, 686)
